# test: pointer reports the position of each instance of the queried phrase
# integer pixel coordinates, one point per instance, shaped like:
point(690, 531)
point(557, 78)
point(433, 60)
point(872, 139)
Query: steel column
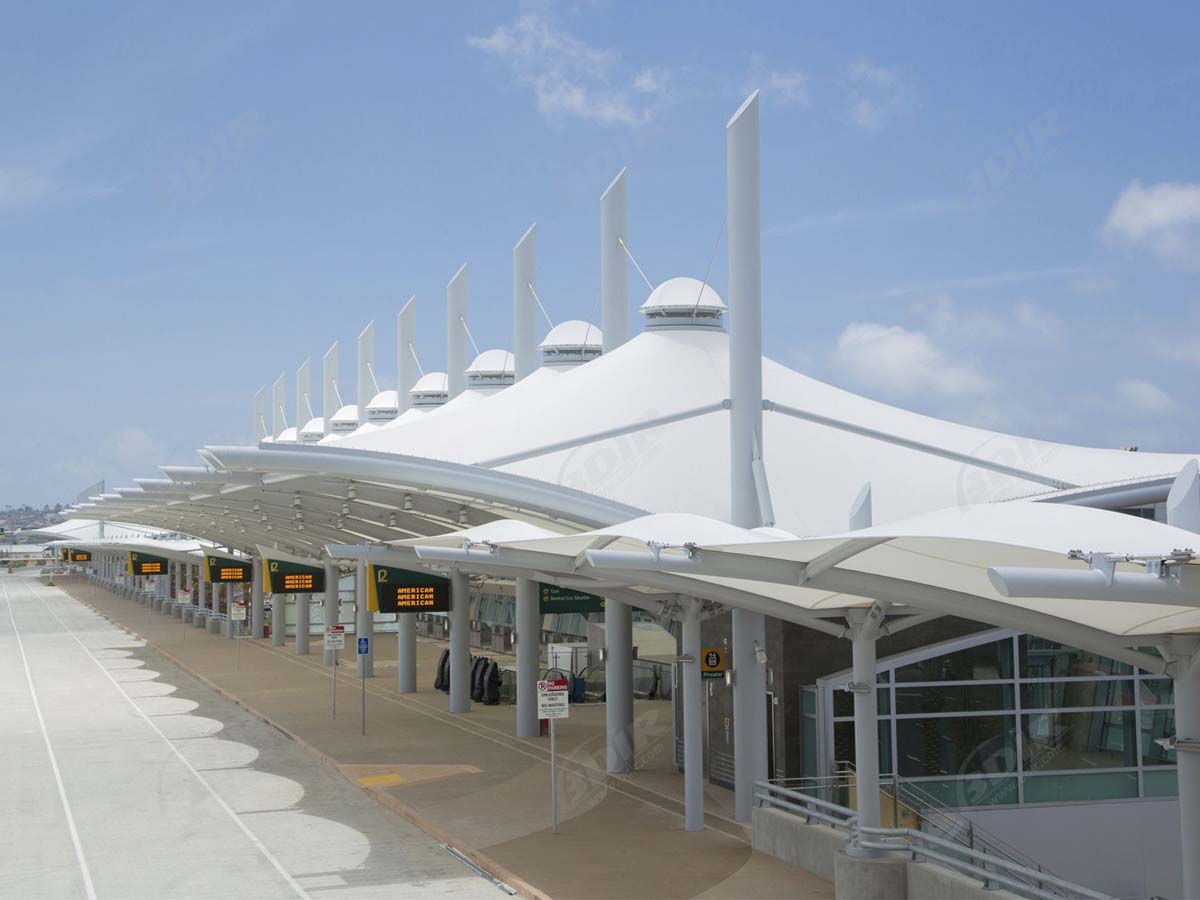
point(693, 725)
point(866, 720)
point(364, 623)
point(460, 642)
point(278, 618)
point(529, 639)
point(257, 604)
point(303, 604)
point(406, 653)
point(331, 604)
point(1187, 729)
point(618, 685)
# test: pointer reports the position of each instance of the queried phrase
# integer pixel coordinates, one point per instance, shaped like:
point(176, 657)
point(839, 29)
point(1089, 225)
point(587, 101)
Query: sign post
point(237, 613)
point(552, 704)
point(364, 647)
point(335, 640)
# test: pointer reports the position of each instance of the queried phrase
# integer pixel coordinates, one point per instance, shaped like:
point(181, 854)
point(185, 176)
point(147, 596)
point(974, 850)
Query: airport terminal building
point(864, 619)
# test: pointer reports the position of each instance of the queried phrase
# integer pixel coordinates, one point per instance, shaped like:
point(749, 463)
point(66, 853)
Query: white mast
point(614, 265)
point(745, 434)
point(524, 312)
point(278, 399)
point(303, 396)
point(365, 381)
point(329, 391)
point(406, 364)
point(259, 426)
point(456, 333)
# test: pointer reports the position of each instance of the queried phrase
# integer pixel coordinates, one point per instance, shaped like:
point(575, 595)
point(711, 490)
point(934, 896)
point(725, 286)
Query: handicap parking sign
point(364, 645)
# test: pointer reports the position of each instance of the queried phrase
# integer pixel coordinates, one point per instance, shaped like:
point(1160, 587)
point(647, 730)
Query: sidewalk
point(468, 781)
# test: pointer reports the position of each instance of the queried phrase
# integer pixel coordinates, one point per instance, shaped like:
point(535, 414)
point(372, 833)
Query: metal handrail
point(920, 843)
point(772, 795)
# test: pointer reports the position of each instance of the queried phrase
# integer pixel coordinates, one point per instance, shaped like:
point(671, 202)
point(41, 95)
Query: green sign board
point(146, 564)
point(395, 590)
point(555, 599)
point(283, 577)
point(222, 569)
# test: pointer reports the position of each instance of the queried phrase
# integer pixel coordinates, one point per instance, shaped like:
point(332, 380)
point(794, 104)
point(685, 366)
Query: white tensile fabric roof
point(581, 430)
point(89, 530)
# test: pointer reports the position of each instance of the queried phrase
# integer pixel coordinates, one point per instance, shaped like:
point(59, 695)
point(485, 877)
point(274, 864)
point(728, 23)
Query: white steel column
point(364, 623)
point(179, 567)
point(456, 333)
point(278, 618)
point(1187, 732)
point(693, 725)
point(330, 604)
point(406, 653)
point(614, 265)
point(529, 640)
point(745, 431)
point(460, 642)
point(618, 684)
point(864, 629)
point(329, 386)
point(524, 313)
point(364, 381)
point(303, 604)
point(257, 605)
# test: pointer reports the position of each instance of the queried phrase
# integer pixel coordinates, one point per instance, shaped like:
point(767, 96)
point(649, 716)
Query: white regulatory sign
point(552, 699)
point(335, 637)
point(237, 612)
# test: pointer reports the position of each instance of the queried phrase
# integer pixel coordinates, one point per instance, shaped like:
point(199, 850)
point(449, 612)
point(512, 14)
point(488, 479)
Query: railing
point(993, 871)
point(808, 807)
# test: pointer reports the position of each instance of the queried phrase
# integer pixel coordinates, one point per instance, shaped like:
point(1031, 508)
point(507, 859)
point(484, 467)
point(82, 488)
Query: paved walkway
point(125, 781)
point(467, 780)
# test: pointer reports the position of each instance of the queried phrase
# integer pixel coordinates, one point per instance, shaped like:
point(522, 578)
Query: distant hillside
point(15, 518)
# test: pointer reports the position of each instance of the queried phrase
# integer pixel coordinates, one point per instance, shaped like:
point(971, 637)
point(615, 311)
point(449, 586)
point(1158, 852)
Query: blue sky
point(985, 213)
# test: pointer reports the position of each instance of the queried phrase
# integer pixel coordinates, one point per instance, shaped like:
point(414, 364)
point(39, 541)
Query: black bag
point(477, 673)
point(441, 681)
point(491, 684)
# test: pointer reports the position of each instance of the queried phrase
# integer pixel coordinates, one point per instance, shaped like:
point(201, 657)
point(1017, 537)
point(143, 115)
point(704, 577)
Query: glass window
point(1157, 724)
point(843, 702)
point(843, 744)
point(1062, 694)
point(1078, 740)
point(1160, 783)
point(960, 792)
point(1156, 691)
point(1094, 786)
point(1041, 658)
point(992, 661)
point(956, 745)
point(958, 698)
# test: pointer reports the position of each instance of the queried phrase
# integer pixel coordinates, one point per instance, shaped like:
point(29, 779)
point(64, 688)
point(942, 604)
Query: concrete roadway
point(123, 782)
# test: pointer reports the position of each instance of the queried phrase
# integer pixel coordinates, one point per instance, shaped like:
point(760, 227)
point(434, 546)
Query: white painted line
point(267, 854)
point(88, 887)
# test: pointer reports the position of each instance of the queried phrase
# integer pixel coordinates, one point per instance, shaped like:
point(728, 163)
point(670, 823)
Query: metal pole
point(364, 621)
point(693, 733)
point(331, 602)
point(257, 603)
point(618, 685)
point(460, 643)
point(866, 720)
point(363, 678)
point(553, 779)
point(303, 603)
point(1187, 729)
point(406, 653)
point(278, 618)
point(333, 673)
point(529, 636)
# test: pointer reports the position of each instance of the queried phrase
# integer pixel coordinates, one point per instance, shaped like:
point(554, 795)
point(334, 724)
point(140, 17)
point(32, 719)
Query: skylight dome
point(683, 303)
point(571, 342)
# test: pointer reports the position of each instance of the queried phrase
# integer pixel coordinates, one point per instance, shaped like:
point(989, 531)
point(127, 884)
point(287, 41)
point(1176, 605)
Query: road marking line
point(262, 848)
point(88, 887)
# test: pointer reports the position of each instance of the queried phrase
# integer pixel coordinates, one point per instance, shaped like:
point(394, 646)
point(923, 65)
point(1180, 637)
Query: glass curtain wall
point(1008, 718)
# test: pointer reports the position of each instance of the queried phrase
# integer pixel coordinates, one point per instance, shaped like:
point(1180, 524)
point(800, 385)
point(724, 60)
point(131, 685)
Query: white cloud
point(1093, 284)
point(20, 189)
point(1144, 396)
point(903, 363)
point(997, 323)
point(1175, 348)
point(926, 207)
point(1163, 218)
point(878, 95)
point(786, 85)
point(567, 76)
point(1032, 317)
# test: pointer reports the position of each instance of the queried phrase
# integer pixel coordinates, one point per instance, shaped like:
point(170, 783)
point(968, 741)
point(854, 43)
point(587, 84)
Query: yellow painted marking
point(381, 780)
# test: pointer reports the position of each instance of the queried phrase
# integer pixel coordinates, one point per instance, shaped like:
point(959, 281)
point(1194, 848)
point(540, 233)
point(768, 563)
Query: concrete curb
point(476, 856)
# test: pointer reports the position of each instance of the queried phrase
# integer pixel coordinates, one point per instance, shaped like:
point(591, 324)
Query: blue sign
point(363, 646)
